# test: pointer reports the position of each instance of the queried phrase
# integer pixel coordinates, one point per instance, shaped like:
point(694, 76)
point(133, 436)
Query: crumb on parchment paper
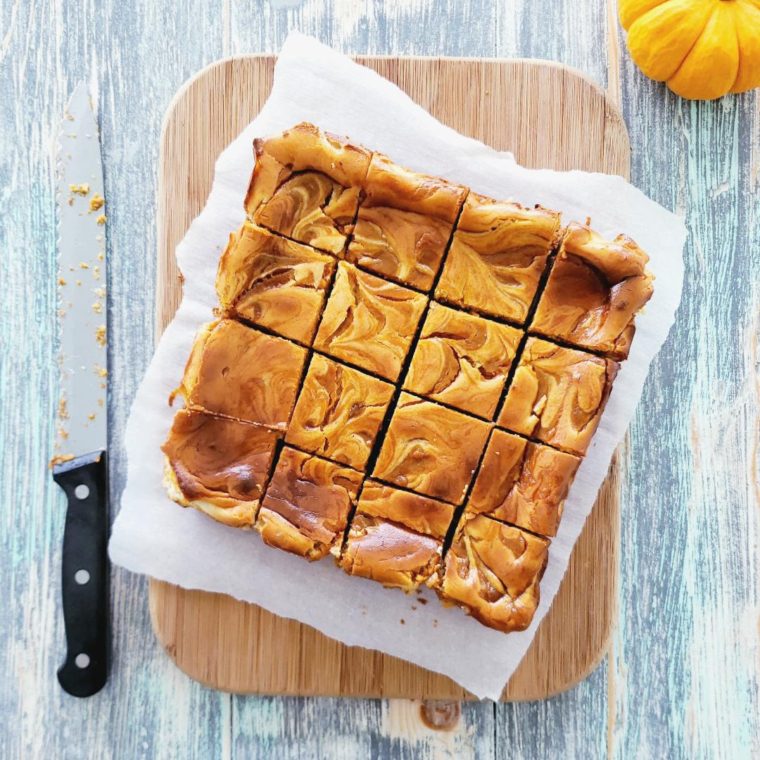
point(83, 189)
point(100, 335)
point(101, 219)
point(97, 202)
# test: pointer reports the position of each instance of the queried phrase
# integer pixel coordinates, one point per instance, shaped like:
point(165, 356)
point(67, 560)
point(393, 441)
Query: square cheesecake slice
point(493, 571)
point(273, 282)
point(242, 373)
point(557, 395)
point(498, 254)
point(218, 466)
point(396, 537)
point(369, 322)
point(339, 412)
point(523, 483)
point(594, 292)
point(462, 360)
point(404, 223)
point(307, 504)
point(431, 449)
point(306, 185)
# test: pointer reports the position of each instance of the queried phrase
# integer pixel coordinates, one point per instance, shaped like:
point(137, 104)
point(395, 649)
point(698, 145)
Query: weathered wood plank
point(148, 708)
point(687, 648)
point(291, 727)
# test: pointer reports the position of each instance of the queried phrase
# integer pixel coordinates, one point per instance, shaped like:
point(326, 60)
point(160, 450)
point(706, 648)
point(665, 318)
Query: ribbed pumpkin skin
point(702, 49)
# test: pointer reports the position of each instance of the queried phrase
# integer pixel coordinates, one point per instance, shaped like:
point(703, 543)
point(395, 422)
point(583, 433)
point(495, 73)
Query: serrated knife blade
point(79, 459)
point(82, 311)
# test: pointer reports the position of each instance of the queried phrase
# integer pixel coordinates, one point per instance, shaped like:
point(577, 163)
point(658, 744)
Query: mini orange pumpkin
point(701, 49)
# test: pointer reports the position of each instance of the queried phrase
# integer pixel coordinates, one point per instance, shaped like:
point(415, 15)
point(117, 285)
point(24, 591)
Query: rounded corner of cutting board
point(209, 110)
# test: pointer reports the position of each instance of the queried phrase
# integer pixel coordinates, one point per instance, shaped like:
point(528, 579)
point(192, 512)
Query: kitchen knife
point(79, 462)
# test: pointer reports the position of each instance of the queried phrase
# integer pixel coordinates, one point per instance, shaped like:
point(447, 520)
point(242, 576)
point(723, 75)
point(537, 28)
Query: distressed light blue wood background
point(681, 678)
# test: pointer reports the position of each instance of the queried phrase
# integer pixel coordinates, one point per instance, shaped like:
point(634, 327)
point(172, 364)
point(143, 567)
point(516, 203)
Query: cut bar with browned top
point(523, 483)
point(396, 537)
point(493, 570)
point(307, 504)
point(404, 223)
point(558, 395)
point(218, 466)
point(498, 255)
point(594, 291)
point(273, 282)
point(306, 185)
point(462, 360)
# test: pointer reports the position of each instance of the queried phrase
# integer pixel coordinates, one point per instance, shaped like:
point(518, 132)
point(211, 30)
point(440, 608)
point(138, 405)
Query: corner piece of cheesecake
point(396, 537)
point(523, 483)
point(307, 504)
point(498, 255)
point(558, 394)
point(306, 185)
point(404, 223)
point(218, 466)
point(242, 373)
point(273, 282)
point(493, 571)
point(594, 291)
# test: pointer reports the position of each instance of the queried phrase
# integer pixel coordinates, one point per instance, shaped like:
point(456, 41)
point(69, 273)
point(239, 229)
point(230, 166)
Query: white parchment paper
point(154, 536)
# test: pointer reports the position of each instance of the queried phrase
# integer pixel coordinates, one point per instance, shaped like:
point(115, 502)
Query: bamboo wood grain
point(549, 116)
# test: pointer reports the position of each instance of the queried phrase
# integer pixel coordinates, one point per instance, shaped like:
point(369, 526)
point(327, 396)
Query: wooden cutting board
point(548, 116)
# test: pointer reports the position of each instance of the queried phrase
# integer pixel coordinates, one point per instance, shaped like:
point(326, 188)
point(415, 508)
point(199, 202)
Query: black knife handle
point(85, 573)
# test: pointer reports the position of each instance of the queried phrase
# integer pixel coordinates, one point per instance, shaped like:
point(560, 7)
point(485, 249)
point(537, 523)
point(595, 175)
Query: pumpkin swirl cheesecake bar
point(403, 375)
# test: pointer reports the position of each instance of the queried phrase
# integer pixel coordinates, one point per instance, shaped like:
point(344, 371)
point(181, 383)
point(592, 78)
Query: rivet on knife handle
point(85, 574)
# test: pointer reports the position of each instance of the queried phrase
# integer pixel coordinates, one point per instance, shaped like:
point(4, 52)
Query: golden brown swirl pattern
point(523, 483)
point(338, 412)
point(421, 514)
point(306, 184)
point(558, 395)
point(307, 504)
point(404, 223)
point(492, 571)
point(396, 537)
point(498, 254)
point(369, 322)
point(431, 449)
point(594, 291)
point(218, 466)
point(389, 553)
point(273, 282)
point(242, 373)
point(462, 360)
